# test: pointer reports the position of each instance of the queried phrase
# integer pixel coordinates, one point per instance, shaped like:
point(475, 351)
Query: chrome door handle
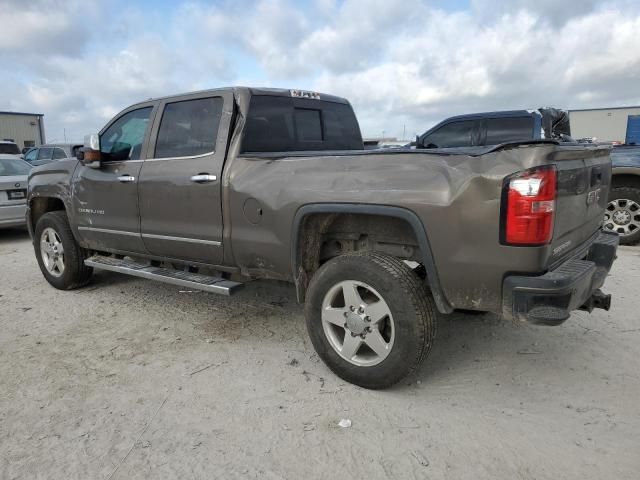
point(126, 178)
point(203, 178)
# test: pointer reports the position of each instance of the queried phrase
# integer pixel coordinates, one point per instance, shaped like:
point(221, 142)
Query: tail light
point(529, 202)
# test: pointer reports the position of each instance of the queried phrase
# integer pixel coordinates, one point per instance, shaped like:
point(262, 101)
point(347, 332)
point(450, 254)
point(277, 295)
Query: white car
point(13, 190)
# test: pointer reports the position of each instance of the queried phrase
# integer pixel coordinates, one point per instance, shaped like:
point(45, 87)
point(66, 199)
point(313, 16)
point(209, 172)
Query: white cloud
point(400, 63)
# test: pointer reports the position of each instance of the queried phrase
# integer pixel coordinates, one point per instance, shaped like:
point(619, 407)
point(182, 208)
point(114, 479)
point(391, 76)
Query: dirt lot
point(129, 379)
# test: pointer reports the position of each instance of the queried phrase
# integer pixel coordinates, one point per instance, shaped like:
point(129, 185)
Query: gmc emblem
point(593, 197)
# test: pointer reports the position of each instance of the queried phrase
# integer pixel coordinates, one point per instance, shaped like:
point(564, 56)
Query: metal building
point(617, 124)
point(26, 129)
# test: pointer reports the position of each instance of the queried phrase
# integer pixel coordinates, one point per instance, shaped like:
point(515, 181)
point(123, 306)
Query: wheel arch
point(39, 205)
point(301, 279)
point(629, 177)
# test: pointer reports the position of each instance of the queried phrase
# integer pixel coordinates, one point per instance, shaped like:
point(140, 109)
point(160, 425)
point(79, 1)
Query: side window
point(58, 154)
point(45, 153)
point(123, 139)
point(509, 129)
point(455, 134)
point(189, 128)
point(31, 155)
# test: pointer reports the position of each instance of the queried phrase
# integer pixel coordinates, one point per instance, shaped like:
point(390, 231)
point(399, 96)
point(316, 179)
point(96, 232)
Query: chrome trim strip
point(111, 162)
point(180, 158)
point(181, 239)
point(107, 230)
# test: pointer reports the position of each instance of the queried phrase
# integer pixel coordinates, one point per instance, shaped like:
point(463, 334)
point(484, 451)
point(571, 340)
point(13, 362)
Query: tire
point(407, 331)
point(625, 201)
point(52, 230)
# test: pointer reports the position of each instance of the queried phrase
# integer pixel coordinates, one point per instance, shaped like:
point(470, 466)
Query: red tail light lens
point(530, 205)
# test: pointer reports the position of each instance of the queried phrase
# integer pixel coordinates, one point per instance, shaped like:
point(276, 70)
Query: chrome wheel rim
point(52, 252)
point(358, 323)
point(622, 216)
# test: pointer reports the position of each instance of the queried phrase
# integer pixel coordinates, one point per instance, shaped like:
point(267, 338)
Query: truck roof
point(250, 91)
point(497, 114)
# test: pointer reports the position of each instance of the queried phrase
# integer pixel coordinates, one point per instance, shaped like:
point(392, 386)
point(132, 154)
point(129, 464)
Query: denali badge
point(593, 197)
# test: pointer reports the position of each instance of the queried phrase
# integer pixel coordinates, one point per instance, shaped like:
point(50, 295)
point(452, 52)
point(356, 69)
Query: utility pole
point(64, 134)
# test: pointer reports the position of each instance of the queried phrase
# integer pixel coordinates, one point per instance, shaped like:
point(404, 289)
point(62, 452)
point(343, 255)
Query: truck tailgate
point(584, 177)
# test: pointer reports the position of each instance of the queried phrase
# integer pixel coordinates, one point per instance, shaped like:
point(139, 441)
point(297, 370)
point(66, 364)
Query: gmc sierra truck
point(207, 190)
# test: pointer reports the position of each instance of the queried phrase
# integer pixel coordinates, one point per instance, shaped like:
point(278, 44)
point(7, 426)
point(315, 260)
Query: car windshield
point(9, 167)
point(9, 148)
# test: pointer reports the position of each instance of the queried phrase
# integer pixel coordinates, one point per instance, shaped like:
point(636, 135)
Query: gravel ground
point(131, 379)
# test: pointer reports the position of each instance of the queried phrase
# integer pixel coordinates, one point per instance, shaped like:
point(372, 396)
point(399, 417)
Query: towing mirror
point(89, 155)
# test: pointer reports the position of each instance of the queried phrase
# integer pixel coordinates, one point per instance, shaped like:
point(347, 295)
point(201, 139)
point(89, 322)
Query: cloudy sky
point(404, 65)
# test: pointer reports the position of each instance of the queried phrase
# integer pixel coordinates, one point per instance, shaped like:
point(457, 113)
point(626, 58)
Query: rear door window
point(58, 154)
point(189, 128)
point(509, 129)
point(45, 153)
point(285, 124)
point(454, 134)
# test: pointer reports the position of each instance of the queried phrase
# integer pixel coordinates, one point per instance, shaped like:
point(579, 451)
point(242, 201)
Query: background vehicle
point(623, 212)
point(13, 191)
point(51, 152)
point(495, 128)
point(266, 183)
point(9, 148)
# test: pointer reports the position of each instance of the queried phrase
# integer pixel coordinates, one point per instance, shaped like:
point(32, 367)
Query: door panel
point(107, 209)
point(105, 199)
point(180, 187)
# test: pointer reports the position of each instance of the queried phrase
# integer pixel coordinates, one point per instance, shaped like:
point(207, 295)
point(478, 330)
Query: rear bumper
point(549, 299)
point(12, 215)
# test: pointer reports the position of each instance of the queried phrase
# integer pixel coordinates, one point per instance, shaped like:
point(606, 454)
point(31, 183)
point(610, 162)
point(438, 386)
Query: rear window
point(10, 148)
point(13, 167)
point(509, 129)
point(283, 124)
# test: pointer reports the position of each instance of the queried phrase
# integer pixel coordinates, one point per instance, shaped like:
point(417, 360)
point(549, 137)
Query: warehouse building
point(617, 124)
point(25, 129)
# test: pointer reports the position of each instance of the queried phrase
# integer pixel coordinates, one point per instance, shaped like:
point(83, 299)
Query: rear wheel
point(60, 258)
point(370, 318)
point(622, 215)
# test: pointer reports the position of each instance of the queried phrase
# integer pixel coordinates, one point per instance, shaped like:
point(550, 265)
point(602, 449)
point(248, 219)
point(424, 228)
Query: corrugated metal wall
point(21, 128)
point(606, 125)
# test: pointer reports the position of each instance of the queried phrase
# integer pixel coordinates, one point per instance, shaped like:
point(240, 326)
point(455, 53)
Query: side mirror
point(90, 155)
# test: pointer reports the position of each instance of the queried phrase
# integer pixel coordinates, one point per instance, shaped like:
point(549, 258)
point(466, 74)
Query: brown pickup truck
point(209, 189)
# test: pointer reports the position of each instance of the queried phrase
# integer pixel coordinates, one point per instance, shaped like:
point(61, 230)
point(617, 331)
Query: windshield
point(10, 148)
point(9, 167)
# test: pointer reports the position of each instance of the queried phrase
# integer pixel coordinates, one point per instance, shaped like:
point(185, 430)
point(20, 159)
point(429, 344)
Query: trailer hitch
point(597, 300)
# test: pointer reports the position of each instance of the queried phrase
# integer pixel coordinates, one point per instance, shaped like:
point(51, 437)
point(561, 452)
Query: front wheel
point(370, 318)
point(60, 258)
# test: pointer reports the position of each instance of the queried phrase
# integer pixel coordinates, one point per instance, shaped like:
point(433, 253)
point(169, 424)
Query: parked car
point(275, 184)
point(494, 128)
point(51, 152)
point(8, 147)
point(623, 212)
point(13, 190)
